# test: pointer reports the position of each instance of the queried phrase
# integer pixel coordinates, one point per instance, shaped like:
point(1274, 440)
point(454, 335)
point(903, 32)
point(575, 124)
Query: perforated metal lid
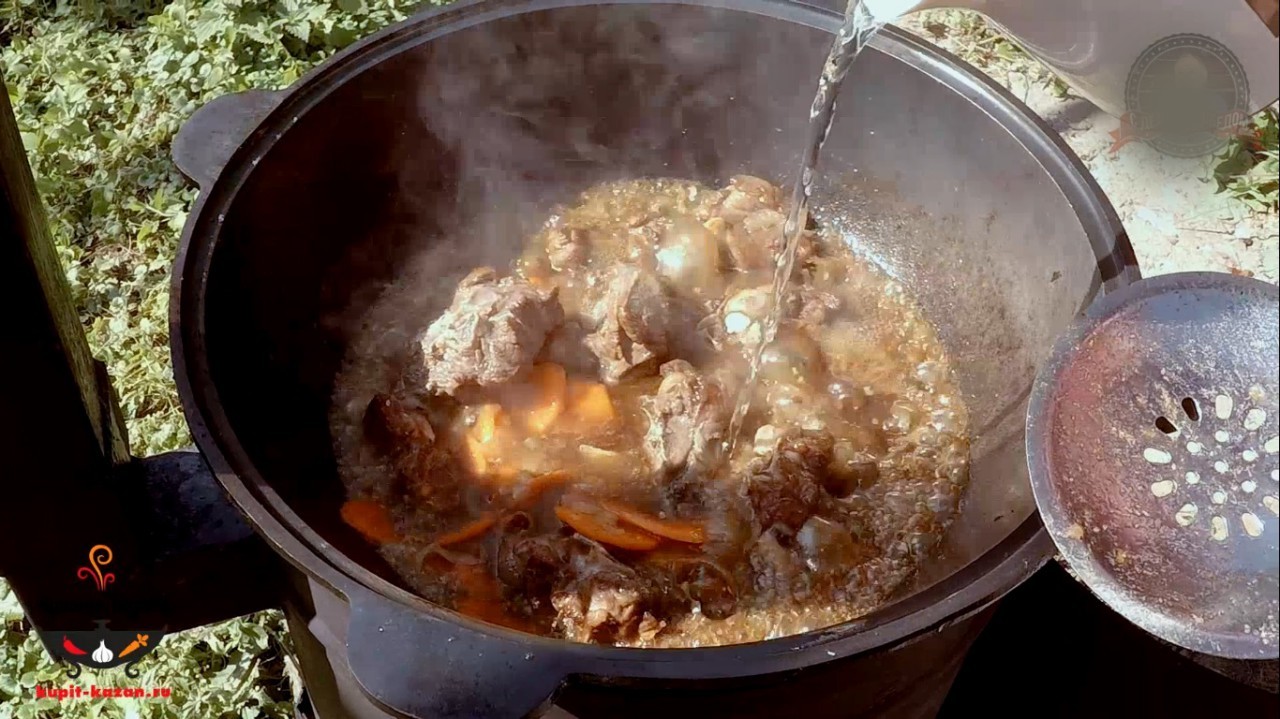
point(1152, 444)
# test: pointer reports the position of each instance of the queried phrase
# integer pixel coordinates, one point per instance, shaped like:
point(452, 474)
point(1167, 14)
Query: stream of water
point(857, 29)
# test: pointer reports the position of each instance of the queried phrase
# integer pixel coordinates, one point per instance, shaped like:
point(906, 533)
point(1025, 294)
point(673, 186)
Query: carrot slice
point(605, 529)
point(550, 382)
point(474, 457)
point(475, 528)
point(529, 494)
point(590, 403)
point(369, 519)
point(488, 417)
point(504, 473)
point(679, 530)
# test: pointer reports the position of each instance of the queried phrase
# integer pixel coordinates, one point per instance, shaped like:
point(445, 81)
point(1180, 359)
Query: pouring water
point(858, 28)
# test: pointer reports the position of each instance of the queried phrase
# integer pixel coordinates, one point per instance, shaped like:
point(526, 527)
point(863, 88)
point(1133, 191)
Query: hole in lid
point(1191, 408)
point(1164, 425)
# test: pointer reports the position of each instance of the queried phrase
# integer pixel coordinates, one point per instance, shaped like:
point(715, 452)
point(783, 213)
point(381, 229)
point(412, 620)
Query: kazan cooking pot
point(454, 133)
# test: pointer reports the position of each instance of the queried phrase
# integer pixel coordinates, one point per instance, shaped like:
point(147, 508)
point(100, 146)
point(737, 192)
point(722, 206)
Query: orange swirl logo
point(99, 556)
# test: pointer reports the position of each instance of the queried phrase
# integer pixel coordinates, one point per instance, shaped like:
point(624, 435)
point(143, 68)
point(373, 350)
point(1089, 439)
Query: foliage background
point(99, 88)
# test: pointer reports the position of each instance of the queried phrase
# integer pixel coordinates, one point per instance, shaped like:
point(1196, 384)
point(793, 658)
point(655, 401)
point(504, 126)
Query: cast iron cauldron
point(450, 136)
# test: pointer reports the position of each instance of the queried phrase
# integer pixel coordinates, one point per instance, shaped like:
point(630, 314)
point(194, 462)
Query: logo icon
point(1186, 96)
point(99, 557)
point(100, 647)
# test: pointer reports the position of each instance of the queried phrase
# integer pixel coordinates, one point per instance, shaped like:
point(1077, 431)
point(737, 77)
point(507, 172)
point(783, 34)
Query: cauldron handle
point(472, 673)
point(209, 137)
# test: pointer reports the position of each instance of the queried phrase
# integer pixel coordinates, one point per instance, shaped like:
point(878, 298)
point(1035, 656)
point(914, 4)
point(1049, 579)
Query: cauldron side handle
point(470, 673)
point(212, 134)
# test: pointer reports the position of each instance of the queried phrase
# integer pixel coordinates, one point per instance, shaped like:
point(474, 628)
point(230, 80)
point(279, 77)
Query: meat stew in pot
point(550, 452)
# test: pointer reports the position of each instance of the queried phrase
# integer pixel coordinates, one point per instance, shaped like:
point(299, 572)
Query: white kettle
point(1095, 44)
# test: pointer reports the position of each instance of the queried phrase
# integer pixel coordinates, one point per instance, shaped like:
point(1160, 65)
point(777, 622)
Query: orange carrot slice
point(589, 403)
point(369, 519)
point(604, 529)
point(535, 487)
point(475, 528)
point(488, 417)
point(550, 382)
point(689, 532)
point(474, 458)
point(504, 473)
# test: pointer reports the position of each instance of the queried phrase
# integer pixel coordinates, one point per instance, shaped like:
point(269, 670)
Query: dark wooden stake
point(182, 555)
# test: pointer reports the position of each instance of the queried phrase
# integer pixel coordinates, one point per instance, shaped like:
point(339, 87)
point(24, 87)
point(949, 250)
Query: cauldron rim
point(961, 594)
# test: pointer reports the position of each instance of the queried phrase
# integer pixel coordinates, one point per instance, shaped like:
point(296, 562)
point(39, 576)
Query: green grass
point(970, 36)
point(1248, 169)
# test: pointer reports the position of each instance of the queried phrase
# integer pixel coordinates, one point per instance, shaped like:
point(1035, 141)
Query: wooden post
point(67, 483)
point(60, 427)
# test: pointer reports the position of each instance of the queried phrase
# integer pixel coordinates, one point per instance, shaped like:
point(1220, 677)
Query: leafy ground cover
point(99, 88)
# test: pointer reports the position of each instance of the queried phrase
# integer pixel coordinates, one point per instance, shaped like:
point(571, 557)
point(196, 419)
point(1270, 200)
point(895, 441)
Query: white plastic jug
point(1094, 44)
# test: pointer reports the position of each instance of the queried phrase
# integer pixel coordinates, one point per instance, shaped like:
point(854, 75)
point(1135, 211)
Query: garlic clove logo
point(102, 655)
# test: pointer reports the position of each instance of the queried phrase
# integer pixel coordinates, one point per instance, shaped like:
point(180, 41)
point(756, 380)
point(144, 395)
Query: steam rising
point(523, 113)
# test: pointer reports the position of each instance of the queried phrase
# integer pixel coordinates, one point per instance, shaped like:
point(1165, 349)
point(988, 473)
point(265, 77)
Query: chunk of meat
point(756, 242)
point(742, 317)
point(785, 488)
point(566, 247)
point(630, 313)
point(747, 194)
point(400, 429)
point(602, 599)
point(829, 548)
point(392, 425)
point(566, 346)
point(777, 572)
point(688, 259)
point(493, 329)
point(700, 579)
point(531, 564)
point(811, 306)
point(687, 419)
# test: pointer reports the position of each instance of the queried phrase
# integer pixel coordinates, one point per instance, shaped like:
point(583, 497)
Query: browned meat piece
point(687, 419)
point(829, 548)
point(756, 242)
point(403, 433)
point(812, 306)
point(687, 258)
point(600, 613)
point(778, 572)
point(392, 425)
point(493, 329)
point(532, 565)
point(566, 248)
point(785, 488)
point(630, 313)
point(708, 584)
point(745, 195)
point(602, 598)
point(566, 346)
point(649, 627)
point(852, 468)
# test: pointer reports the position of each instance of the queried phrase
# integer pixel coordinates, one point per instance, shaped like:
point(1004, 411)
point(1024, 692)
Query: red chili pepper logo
point(70, 648)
